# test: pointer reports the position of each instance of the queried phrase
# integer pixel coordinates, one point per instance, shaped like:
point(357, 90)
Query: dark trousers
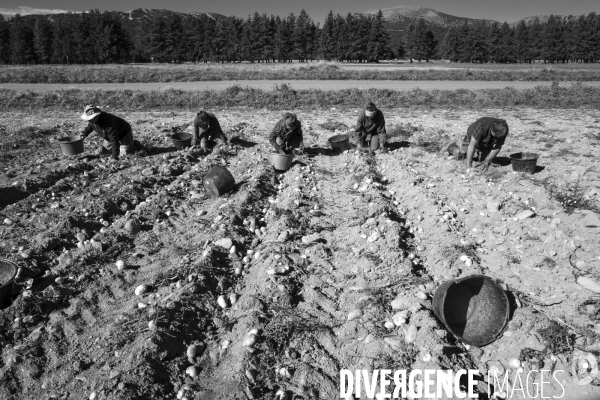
point(370, 141)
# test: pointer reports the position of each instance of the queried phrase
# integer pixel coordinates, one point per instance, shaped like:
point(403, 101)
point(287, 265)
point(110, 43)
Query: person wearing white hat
point(115, 131)
point(370, 129)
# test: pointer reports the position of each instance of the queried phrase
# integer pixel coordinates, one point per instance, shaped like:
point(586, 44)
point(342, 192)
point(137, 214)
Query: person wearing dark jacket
point(370, 129)
point(485, 138)
point(115, 131)
point(207, 127)
point(286, 136)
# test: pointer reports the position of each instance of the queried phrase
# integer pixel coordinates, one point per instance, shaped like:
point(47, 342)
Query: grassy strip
point(320, 71)
point(284, 97)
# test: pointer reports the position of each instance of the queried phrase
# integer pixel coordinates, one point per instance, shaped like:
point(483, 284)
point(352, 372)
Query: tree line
point(557, 40)
point(106, 37)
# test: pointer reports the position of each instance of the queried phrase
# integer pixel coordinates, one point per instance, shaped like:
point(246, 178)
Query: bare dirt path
point(295, 84)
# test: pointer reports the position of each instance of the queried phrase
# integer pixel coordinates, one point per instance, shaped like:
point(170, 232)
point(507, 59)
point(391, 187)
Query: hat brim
point(86, 117)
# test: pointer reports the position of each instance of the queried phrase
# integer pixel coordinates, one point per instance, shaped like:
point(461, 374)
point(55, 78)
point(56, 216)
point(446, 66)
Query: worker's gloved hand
point(301, 147)
point(281, 151)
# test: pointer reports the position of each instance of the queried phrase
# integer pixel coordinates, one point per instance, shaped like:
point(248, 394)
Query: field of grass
point(285, 97)
point(313, 71)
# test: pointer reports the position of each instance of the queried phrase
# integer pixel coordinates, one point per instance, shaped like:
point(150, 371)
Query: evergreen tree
point(379, 45)
point(522, 43)
point(450, 47)
point(4, 41)
point(326, 38)
point(42, 39)
point(421, 42)
point(21, 42)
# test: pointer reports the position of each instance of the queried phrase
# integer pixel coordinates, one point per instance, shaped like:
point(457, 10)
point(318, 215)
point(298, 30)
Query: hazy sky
point(501, 10)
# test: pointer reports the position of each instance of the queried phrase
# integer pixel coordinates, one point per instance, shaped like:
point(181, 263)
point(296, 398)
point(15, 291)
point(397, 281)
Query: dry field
point(266, 85)
point(344, 236)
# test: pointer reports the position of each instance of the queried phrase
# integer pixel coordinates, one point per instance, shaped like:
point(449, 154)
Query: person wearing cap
point(115, 131)
point(207, 127)
point(286, 136)
point(370, 129)
point(484, 140)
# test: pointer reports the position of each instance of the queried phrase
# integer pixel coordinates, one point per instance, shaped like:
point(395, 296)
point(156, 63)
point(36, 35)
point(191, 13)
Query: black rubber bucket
point(339, 143)
point(475, 309)
point(218, 181)
point(181, 140)
point(524, 162)
point(8, 272)
point(71, 145)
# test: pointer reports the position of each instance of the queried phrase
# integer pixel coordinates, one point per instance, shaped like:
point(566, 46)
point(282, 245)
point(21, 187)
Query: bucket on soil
point(218, 181)
point(71, 145)
point(339, 143)
point(524, 162)
point(475, 309)
point(181, 140)
point(281, 162)
point(8, 271)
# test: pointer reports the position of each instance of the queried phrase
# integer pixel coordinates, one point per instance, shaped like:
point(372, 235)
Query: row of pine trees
point(102, 37)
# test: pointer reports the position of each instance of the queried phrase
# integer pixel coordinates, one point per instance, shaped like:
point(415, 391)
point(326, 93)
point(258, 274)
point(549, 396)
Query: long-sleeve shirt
point(480, 130)
point(213, 131)
point(370, 126)
point(284, 133)
point(110, 128)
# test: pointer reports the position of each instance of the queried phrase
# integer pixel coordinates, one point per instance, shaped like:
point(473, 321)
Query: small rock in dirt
point(283, 236)
point(354, 314)
point(524, 215)
point(97, 245)
point(411, 334)
point(493, 206)
point(589, 284)
point(401, 303)
point(310, 238)
point(149, 171)
point(225, 243)
point(373, 238)
point(591, 220)
point(133, 226)
point(394, 343)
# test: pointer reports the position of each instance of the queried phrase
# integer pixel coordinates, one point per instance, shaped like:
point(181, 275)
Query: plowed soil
point(323, 256)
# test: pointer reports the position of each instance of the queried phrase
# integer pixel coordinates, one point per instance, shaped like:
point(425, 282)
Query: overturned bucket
point(524, 162)
point(71, 145)
point(339, 143)
point(181, 140)
point(475, 309)
point(281, 162)
point(218, 181)
point(8, 272)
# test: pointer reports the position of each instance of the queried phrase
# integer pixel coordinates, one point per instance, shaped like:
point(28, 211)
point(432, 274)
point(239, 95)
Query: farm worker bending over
point(115, 131)
point(485, 138)
point(286, 136)
point(370, 129)
point(207, 127)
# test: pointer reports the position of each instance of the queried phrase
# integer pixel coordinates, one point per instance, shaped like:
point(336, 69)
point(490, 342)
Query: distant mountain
point(407, 15)
point(141, 14)
point(542, 18)
point(400, 17)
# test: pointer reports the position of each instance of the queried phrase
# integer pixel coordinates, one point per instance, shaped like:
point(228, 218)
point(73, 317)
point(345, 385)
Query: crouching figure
point(370, 129)
point(286, 136)
point(207, 131)
point(115, 131)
